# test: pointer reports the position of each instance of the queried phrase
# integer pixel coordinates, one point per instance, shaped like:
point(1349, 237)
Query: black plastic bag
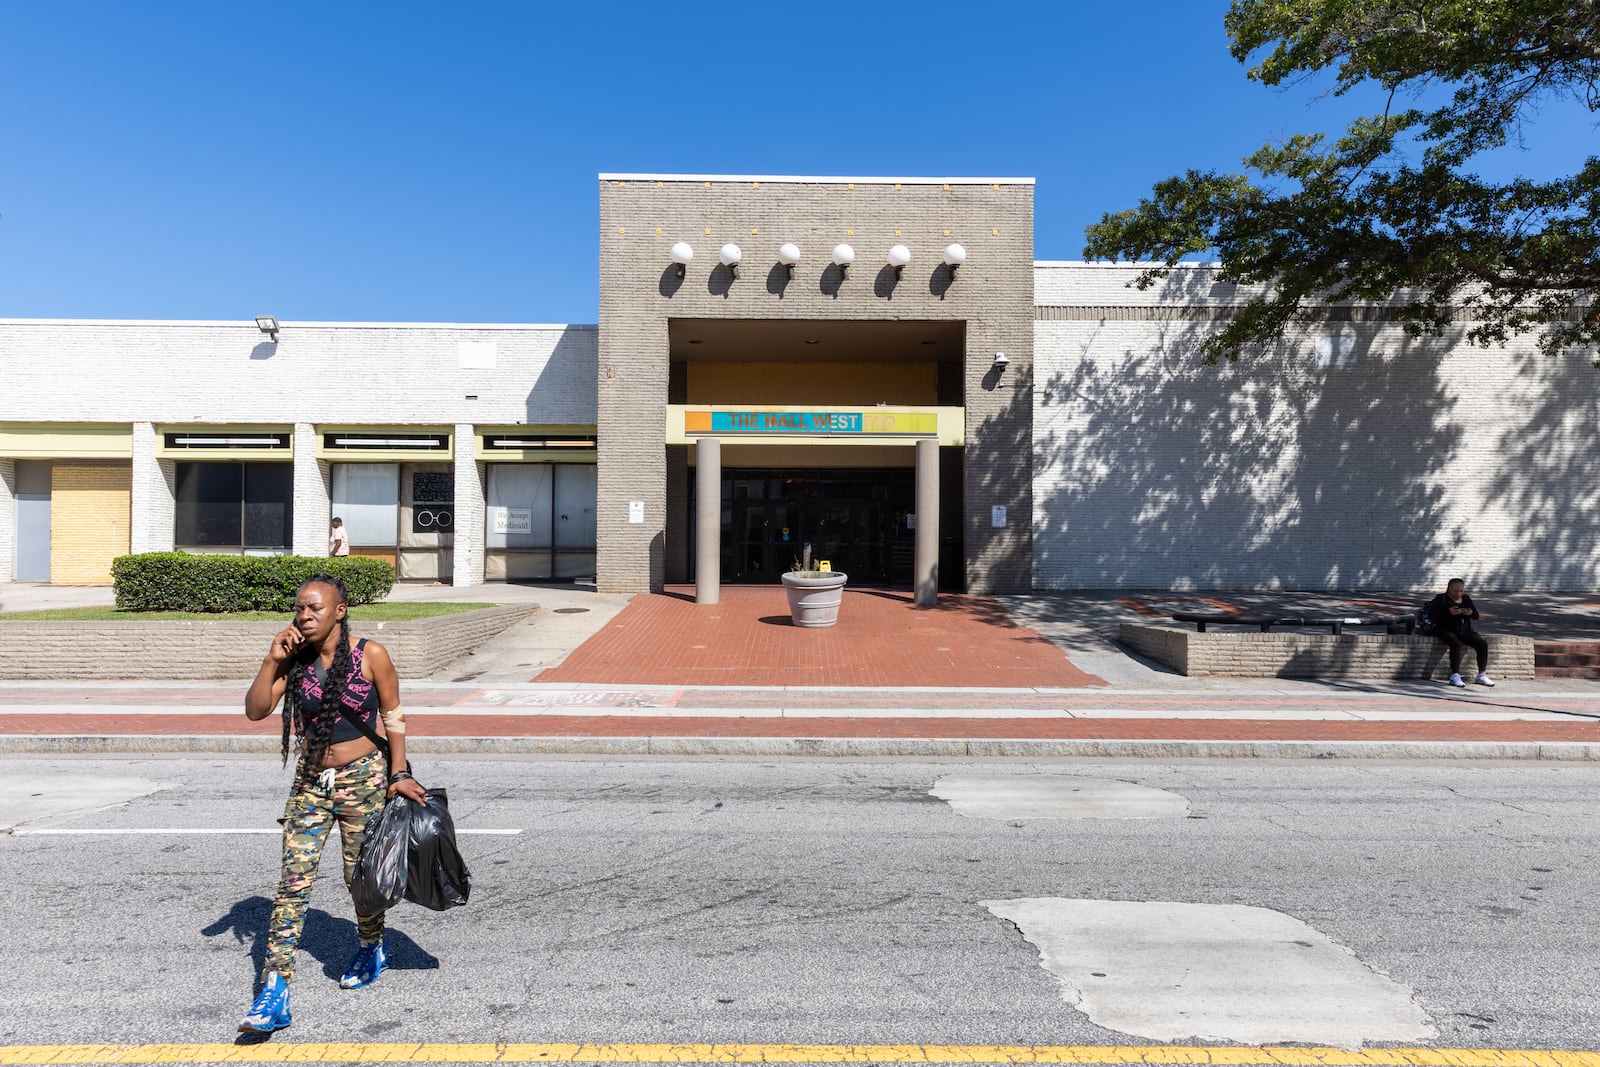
point(381, 865)
point(436, 876)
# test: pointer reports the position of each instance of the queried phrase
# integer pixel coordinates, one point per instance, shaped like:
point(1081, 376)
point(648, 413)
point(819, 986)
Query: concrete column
point(8, 520)
point(313, 507)
point(708, 521)
point(153, 498)
point(925, 566)
point(467, 564)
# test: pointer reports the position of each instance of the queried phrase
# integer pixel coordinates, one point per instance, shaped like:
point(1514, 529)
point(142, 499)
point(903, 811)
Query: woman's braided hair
point(314, 730)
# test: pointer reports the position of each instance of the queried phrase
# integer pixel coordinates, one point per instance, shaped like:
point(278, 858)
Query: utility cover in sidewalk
point(1212, 972)
point(1047, 796)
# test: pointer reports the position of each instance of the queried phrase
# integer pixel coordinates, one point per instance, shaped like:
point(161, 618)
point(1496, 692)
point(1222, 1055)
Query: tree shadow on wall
point(1546, 477)
point(1156, 471)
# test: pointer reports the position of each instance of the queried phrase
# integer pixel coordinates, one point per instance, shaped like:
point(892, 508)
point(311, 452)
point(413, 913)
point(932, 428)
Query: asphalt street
point(802, 901)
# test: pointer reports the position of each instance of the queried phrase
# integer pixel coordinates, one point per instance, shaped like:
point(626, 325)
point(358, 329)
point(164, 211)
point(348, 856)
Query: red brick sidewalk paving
point(882, 639)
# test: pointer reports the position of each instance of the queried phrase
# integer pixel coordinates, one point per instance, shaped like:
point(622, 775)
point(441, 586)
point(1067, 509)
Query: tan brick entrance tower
point(761, 314)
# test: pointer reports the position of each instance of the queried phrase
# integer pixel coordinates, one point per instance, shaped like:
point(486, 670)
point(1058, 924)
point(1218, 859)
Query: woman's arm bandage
point(394, 720)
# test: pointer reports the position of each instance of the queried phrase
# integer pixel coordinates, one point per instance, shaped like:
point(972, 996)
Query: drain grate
point(570, 611)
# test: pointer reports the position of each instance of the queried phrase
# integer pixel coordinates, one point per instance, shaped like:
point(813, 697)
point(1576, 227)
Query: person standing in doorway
point(1452, 612)
point(338, 539)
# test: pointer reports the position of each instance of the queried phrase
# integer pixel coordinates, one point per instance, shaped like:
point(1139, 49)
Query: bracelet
point(401, 776)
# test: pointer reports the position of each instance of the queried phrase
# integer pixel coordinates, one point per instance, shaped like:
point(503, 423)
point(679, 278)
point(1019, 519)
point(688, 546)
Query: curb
point(837, 747)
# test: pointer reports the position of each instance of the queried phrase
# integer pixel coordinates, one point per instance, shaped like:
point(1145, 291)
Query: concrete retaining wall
point(1301, 655)
point(189, 651)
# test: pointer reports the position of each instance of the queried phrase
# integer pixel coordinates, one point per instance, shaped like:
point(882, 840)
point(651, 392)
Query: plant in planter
point(814, 595)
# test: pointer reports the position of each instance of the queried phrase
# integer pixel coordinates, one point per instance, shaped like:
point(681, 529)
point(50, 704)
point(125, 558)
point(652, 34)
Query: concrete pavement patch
point(1212, 972)
point(42, 799)
point(1042, 796)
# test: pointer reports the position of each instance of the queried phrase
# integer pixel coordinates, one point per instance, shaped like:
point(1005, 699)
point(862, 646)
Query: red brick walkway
point(881, 639)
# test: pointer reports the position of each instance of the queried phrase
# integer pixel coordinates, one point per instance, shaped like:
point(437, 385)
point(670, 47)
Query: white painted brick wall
point(313, 507)
point(153, 503)
point(339, 373)
point(1427, 459)
point(8, 520)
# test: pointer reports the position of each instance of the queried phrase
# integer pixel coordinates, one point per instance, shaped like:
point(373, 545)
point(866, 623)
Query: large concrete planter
point(814, 598)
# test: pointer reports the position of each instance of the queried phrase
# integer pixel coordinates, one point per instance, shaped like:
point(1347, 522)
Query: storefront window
point(540, 521)
point(367, 497)
point(234, 507)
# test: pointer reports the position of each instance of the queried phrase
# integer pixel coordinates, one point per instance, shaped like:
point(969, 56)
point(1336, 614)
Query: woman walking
point(335, 694)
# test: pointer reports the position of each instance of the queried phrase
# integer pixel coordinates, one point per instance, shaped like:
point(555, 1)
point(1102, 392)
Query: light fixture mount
point(682, 256)
point(268, 324)
point(843, 256)
point(899, 256)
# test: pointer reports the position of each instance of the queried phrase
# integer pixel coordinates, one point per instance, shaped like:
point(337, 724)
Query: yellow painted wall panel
point(90, 508)
point(904, 384)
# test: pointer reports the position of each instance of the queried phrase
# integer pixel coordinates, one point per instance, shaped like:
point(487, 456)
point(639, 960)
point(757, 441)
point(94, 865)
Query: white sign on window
point(997, 516)
point(636, 512)
point(510, 520)
point(911, 522)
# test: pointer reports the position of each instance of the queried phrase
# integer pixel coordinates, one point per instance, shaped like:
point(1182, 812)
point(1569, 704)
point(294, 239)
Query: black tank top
point(360, 696)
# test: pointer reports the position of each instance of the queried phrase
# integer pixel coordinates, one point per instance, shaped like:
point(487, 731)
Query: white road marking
point(1212, 972)
point(1050, 796)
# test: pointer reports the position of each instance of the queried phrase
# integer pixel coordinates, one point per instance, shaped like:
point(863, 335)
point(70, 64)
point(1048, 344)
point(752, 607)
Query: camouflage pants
point(358, 791)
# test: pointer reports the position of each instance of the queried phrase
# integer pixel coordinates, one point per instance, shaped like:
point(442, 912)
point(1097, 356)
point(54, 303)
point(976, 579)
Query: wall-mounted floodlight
point(899, 256)
point(789, 255)
point(843, 256)
point(268, 324)
point(730, 256)
point(682, 255)
point(1000, 361)
point(954, 256)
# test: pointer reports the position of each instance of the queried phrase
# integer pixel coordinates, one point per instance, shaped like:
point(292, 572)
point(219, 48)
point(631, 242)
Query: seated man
point(1451, 613)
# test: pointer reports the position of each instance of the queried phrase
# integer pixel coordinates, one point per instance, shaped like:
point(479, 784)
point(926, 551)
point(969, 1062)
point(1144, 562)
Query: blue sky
point(408, 162)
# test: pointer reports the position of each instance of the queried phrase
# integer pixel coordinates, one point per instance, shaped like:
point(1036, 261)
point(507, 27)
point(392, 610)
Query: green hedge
point(181, 581)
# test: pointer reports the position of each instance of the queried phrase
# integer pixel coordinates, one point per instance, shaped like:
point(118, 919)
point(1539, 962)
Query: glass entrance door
point(856, 520)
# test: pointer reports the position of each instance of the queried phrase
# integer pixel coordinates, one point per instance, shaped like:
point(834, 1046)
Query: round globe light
point(899, 256)
point(955, 255)
point(844, 255)
point(788, 254)
point(682, 252)
point(729, 255)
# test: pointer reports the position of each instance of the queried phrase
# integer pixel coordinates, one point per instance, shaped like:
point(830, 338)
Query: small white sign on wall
point(997, 516)
point(911, 522)
point(476, 355)
point(1336, 351)
point(636, 512)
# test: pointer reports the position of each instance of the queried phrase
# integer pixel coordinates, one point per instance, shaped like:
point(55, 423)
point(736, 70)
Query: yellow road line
point(397, 1052)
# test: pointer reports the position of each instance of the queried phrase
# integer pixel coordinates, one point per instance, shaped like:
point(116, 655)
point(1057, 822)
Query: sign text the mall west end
point(877, 423)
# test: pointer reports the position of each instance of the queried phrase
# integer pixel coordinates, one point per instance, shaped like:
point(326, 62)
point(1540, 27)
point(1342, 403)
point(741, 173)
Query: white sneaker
point(1455, 680)
point(1484, 679)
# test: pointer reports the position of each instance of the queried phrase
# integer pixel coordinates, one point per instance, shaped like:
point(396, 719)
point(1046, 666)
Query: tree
point(1391, 210)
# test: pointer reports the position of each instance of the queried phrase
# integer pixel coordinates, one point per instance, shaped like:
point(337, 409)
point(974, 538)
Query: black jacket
point(1446, 623)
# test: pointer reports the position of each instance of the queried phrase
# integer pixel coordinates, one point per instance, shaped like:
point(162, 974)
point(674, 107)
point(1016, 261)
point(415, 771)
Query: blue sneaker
point(364, 969)
point(271, 1010)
